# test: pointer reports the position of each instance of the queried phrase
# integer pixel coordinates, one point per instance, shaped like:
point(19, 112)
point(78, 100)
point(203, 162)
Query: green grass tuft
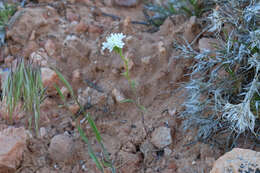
point(24, 85)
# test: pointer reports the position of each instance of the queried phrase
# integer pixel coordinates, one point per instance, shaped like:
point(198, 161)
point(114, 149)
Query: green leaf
point(188, 11)
point(124, 74)
point(94, 128)
point(127, 101)
point(60, 93)
point(133, 84)
point(64, 81)
point(142, 108)
point(90, 150)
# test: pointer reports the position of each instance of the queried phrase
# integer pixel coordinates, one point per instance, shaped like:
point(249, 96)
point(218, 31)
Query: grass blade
point(90, 150)
point(64, 81)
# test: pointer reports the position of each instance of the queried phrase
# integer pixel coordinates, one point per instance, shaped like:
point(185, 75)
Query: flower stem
point(126, 73)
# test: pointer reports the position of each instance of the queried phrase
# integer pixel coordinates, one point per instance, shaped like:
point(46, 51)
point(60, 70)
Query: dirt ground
point(69, 35)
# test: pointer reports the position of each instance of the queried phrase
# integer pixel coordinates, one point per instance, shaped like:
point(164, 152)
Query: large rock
point(12, 146)
point(238, 161)
point(25, 21)
point(161, 137)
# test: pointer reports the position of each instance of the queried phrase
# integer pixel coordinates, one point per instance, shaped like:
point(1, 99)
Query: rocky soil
point(69, 35)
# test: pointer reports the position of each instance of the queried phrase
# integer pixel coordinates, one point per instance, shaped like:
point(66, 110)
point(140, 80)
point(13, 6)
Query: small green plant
point(115, 43)
point(105, 160)
point(223, 91)
point(6, 11)
point(24, 85)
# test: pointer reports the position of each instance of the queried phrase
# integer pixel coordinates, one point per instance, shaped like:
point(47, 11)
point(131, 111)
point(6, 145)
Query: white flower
point(114, 40)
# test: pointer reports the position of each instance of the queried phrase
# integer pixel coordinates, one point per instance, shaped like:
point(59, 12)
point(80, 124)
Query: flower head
point(114, 41)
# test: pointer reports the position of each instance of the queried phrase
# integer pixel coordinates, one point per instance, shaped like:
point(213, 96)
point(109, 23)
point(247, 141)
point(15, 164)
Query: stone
point(39, 57)
point(72, 16)
point(118, 95)
point(172, 165)
point(127, 26)
point(192, 29)
point(24, 22)
point(148, 151)
point(12, 147)
point(43, 132)
point(207, 44)
point(9, 59)
point(74, 108)
point(50, 47)
point(129, 39)
point(161, 49)
point(95, 29)
point(81, 27)
point(132, 161)
point(46, 170)
point(92, 96)
point(146, 60)
point(238, 160)
point(167, 151)
point(33, 35)
point(126, 3)
point(30, 47)
point(129, 147)
point(161, 137)
point(172, 112)
point(76, 75)
point(61, 148)
point(49, 78)
point(172, 25)
point(65, 92)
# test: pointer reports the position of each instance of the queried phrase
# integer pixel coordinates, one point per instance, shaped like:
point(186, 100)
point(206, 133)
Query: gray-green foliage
point(223, 91)
point(24, 85)
point(173, 7)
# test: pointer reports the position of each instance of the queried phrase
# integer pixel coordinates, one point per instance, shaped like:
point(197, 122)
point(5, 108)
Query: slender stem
point(126, 67)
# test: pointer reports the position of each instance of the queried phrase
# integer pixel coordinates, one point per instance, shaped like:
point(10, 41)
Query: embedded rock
point(27, 20)
point(61, 148)
point(208, 45)
point(192, 29)
point(92, 96)
point(50, 47)
point(81, 27)
point(161, 137)
point(132, 160)
point(238, 160)
point(118, 95)
point(49, 78)
point(12, 146)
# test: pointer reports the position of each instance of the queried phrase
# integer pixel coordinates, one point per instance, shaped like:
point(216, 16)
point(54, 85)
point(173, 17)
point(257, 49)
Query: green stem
point(126, 68)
